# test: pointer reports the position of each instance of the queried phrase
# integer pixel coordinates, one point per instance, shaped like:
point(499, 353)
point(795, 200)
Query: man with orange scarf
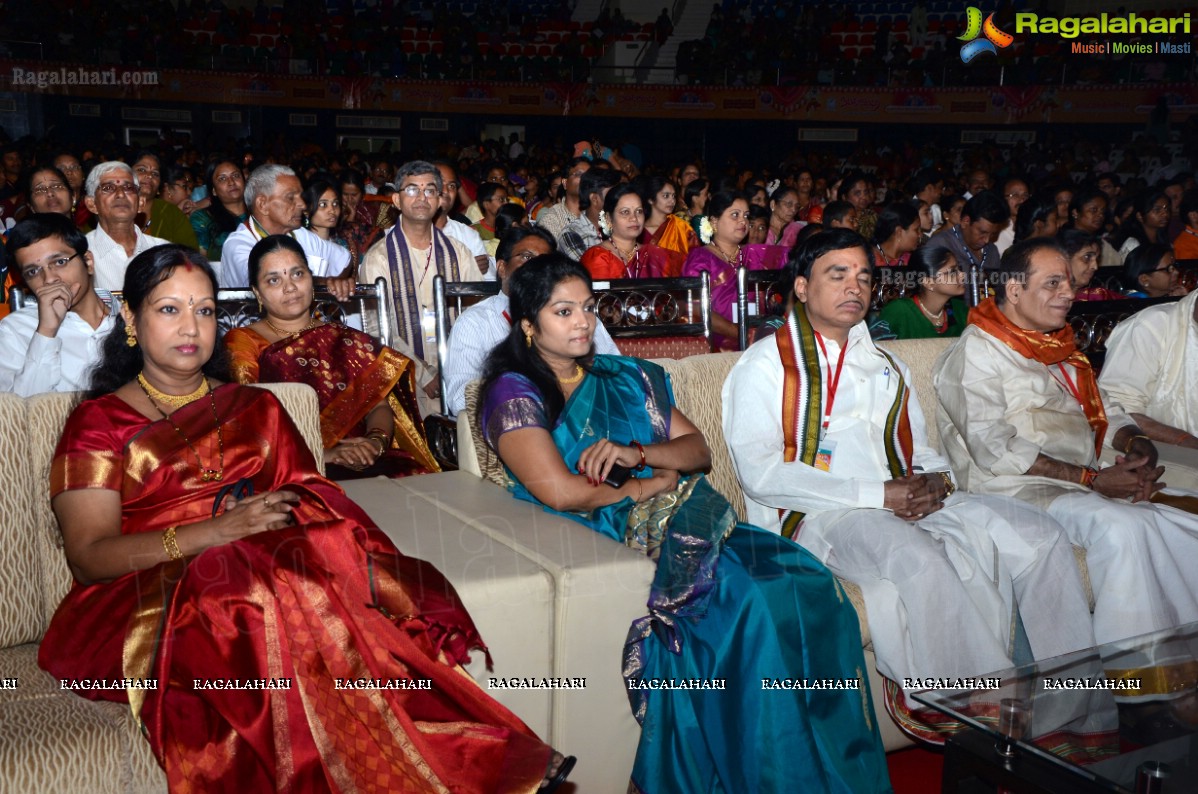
point(1021, 414)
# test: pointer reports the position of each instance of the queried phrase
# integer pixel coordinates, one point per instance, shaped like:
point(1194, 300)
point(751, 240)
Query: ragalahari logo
point(994, 40)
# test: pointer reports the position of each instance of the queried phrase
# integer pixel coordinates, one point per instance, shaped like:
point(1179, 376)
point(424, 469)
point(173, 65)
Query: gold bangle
point(640, 489)
point(170, 544)
point(381, 437)
point(1132, 440)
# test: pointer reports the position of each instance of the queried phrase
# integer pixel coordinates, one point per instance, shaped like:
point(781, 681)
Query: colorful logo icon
point(994, 40)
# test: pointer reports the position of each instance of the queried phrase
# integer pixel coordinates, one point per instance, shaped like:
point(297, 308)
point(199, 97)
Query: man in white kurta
point(942, 584)
point(1015, 426)
point(1151, 369)
point(487, 323)
point(408, 257)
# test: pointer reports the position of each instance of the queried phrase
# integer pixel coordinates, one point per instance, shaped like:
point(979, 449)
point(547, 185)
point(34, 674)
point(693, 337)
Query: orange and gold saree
point(676, 238)
point(351, 373)
point(252, 643)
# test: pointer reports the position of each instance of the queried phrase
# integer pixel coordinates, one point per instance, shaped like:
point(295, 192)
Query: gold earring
point(528, 340)
point(130, 338)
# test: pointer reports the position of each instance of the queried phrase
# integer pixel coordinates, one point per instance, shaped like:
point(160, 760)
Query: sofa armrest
point(599, 588)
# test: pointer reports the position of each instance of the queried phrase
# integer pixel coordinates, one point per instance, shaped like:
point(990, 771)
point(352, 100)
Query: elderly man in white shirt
point(1020, 414)
point(275, 200)
point(52, 344)
point(830, 447)
point(111, 194)
point(486, 324)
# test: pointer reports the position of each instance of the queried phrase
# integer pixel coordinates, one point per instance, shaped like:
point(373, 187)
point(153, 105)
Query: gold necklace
point(627, 257)
point(577, 376)
point(732, 260)
point(173, 400)
point(282, 334)
point(206, 474)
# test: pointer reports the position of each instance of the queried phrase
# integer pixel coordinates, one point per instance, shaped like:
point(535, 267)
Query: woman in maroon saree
point(211, 557)
point(369, 420)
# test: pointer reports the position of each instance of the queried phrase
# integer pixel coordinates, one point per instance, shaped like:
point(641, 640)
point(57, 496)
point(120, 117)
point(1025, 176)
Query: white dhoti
point(942, 594)
point(1142, 558)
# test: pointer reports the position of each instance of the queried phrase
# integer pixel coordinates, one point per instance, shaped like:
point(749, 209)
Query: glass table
point(1122, 717)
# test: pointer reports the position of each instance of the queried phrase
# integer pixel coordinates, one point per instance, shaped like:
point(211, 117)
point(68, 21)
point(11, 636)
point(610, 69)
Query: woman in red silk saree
point(351, 373)
point(309, 608)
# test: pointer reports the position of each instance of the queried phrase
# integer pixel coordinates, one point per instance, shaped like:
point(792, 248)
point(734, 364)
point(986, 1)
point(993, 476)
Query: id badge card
point(428, 326)
point(823, 455)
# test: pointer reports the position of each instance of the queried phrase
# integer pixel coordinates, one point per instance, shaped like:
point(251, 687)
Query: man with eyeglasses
point(1021, 414)
point(380, 176)
point(276, 203)
point(454, 228)
point(111, 194)
point(409, 256)
point(486, 323)
point(555, 219)
point(54, 340)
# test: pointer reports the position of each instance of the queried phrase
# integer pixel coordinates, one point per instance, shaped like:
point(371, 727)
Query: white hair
point(262, 182)
point(93, 178)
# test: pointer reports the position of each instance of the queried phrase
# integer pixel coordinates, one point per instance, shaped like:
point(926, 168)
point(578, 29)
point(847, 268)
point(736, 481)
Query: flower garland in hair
point(604, 225)
point(706, 230)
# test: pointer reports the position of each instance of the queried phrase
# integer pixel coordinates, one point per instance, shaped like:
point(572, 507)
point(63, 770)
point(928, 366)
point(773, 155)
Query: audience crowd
point(987, 243)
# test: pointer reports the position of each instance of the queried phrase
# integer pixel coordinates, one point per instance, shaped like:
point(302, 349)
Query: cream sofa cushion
point(22, 613)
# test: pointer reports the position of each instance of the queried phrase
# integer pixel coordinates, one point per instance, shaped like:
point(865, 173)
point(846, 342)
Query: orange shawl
point(1058, 347)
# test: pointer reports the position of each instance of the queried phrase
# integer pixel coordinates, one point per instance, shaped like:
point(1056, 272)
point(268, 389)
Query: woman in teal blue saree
point(739, 618)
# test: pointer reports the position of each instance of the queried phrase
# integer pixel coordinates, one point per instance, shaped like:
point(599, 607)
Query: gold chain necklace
point(627, 257)
point(732, 260)
point(285, 334)
point(206, 474)
point(173, 400)
point(577, 376)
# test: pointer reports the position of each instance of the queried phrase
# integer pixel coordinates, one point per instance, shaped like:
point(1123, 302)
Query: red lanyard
point(833, 380)
point(1077, 395)
point(428, 261)
point(507, 317)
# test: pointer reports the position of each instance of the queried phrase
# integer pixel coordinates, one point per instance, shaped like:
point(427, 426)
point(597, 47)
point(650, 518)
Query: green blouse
point(907, 321)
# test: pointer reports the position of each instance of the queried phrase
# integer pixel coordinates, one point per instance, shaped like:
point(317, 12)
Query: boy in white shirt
point(52, 343)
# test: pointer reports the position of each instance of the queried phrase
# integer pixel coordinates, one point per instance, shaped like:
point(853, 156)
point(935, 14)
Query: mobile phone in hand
point(618, 475)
